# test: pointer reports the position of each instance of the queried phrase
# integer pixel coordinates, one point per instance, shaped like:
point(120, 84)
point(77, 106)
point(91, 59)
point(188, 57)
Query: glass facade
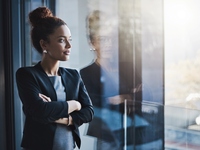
point(139, 60)
point(181, 74)
point(114, 46)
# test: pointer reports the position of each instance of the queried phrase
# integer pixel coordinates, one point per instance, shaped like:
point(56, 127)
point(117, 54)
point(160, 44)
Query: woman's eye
point(65, 40)
point(62, 40)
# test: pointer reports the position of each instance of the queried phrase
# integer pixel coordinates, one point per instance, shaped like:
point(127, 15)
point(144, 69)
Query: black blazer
point(39, 125)
point(92, 76)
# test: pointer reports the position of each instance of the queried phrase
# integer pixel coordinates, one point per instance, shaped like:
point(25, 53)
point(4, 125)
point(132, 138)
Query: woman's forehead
point(62, 31)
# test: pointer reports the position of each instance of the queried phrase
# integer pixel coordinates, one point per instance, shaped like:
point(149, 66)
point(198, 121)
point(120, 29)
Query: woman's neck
point(106, 64)
point(51, 68)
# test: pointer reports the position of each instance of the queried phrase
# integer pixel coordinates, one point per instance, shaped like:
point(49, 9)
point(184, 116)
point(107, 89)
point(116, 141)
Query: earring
point(45, 51)
point(92, 49)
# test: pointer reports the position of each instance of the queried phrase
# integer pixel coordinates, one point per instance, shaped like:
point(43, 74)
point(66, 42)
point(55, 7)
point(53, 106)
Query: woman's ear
point(92, 42)
point(43, 44)
point(91, 46)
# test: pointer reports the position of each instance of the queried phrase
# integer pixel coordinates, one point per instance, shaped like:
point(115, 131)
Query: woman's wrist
point(78, 105)
point(73, 105)
point(69, 121)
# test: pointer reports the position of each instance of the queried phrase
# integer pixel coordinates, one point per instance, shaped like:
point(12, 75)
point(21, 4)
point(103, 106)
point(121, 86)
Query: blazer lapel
point(68, 84)
point(48, 86)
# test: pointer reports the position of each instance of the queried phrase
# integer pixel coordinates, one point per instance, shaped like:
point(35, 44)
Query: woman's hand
point(73, 105)
point(118, 99)
point(44, 98)
point(125, 99)
point(62, 121)
point(65, 121)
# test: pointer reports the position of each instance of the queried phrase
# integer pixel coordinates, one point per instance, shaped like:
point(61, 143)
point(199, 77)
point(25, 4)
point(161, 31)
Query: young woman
point(55, 101)
point(111, 87)
point(101, 79)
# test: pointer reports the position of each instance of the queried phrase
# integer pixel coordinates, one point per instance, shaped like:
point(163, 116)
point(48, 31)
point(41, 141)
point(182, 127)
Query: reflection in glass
point(124, 80)
point(101, 78)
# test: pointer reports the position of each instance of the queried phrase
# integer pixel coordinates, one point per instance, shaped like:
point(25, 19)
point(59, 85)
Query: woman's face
point(105, 43)
point(59, 47)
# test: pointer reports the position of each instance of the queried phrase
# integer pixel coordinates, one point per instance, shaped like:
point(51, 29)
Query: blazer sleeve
point(33, 106)
point(86, 113)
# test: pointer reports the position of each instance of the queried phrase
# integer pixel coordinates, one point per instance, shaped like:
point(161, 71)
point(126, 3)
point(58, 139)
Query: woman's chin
point(65, 59)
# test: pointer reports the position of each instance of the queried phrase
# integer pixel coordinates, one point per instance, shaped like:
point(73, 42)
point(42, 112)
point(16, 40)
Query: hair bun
point(39, 13)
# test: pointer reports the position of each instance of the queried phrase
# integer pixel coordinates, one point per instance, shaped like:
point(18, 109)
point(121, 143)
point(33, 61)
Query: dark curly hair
point(43, 23)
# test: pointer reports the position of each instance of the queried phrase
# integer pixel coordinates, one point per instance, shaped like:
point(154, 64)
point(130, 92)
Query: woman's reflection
point(107, 87)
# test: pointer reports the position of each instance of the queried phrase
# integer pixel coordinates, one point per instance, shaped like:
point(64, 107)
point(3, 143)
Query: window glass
point(112, 51)
point(182, 52)
point(149, 36)
point(182, 88)
point(153, 54)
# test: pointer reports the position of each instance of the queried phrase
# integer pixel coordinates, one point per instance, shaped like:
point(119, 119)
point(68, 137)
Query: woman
point(108, 85)
point(114, 84)
point(55, 101)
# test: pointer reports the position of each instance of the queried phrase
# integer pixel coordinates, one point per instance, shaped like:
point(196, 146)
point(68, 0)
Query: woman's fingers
point(44, 98)
point(62, 121)
point(78, 105)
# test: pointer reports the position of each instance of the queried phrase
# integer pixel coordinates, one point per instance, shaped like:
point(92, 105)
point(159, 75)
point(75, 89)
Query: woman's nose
point(68, 45)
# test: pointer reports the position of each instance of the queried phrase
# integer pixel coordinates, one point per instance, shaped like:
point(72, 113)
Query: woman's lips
point(67, 52)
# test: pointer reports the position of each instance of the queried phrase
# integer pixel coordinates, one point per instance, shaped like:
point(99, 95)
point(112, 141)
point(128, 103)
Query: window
point(137, 31)
point(153, 52)
point(181, 74)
